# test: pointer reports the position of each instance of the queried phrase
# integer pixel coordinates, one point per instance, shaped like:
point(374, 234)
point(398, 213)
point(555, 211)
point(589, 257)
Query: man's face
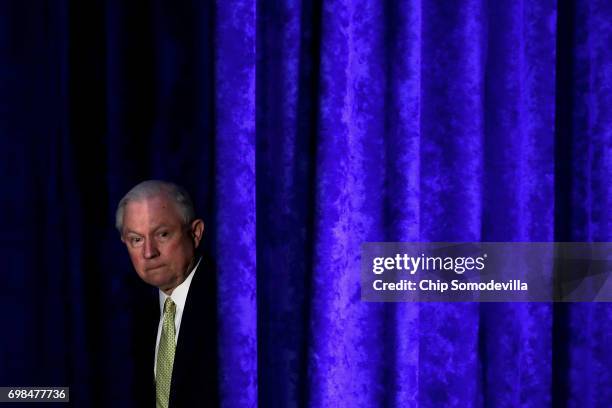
point(160, 246)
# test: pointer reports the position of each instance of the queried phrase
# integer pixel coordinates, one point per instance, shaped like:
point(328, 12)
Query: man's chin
point(158, 278)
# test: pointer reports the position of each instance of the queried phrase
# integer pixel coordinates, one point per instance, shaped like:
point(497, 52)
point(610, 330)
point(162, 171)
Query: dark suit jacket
point(195, 370)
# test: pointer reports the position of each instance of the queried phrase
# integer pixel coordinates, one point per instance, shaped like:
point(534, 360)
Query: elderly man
point(175, 360)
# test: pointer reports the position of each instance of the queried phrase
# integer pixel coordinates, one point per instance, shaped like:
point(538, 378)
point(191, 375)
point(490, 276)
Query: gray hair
point(156, 188)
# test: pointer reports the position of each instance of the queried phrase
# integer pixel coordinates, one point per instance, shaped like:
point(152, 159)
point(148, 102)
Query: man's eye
point(164, 234)
point(136, 240)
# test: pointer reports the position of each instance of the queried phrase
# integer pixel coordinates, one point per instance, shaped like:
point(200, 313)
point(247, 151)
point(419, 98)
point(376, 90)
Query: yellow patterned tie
point(165, 356)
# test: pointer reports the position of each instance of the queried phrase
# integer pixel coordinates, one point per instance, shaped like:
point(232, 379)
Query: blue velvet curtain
point(304, 128)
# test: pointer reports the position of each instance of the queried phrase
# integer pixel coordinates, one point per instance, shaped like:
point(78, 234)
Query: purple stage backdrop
point(303, 129)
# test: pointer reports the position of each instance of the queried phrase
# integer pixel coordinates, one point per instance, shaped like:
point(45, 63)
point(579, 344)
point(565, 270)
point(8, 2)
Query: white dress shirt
point(179, 297)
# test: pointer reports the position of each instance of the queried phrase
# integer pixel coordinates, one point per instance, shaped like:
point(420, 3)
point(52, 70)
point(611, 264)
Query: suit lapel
point(146, 322)
point(194, 374)
point(184, 355)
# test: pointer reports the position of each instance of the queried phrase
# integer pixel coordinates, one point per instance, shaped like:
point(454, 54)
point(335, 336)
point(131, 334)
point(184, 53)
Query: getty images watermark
point(486, 272)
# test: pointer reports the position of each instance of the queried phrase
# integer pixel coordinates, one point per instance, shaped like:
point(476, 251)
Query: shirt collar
point(179, 294)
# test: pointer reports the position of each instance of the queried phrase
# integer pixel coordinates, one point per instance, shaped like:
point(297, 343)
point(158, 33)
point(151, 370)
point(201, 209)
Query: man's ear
point(197, 230)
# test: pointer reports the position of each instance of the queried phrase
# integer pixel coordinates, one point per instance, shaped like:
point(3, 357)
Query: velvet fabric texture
point(304, 129)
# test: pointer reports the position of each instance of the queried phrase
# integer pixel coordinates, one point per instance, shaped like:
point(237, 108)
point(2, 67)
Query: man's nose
point(149, 249)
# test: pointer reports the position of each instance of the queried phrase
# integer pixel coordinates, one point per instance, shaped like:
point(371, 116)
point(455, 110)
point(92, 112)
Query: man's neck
point(190, 268)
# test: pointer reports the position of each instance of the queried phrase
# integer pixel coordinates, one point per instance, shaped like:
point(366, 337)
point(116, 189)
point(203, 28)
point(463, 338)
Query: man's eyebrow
point(154, 229)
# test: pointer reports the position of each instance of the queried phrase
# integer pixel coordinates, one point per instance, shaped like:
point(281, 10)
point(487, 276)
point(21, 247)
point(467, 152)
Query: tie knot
point(169, 307)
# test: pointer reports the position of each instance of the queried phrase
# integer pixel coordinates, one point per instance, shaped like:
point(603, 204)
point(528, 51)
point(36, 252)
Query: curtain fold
point(235, 200)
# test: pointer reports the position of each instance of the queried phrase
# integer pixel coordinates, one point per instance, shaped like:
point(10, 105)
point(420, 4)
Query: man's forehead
point(156, 208)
